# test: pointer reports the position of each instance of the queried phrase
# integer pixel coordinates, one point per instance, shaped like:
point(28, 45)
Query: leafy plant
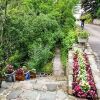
point(83, 34)
point(88, 18)
point(98, 13)
point(48, 68)
point(9, 69)
point(20, 71)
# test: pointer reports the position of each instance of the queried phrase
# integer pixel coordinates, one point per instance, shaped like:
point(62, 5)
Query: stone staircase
point(41, 88)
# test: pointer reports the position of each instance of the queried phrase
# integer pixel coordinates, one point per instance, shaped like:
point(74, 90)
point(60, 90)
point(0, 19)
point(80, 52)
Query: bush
point(48, 68)
point(63, 57)
point(39, 55)
point(68, 41)
point(83, 34)
point(98, 13)
point(88, 18)
point(45, 32)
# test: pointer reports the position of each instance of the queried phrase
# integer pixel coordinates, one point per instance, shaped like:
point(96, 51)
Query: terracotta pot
point(20, 77)
point(27, 75)
point(32, 75)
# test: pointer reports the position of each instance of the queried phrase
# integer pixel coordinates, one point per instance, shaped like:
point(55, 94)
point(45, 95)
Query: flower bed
point(83, 83)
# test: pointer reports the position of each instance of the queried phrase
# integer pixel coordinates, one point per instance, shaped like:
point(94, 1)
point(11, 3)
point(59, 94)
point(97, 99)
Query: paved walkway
point(57, 66)
point(94, 40)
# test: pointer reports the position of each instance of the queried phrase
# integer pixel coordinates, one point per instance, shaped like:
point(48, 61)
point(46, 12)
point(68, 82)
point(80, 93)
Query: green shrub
point(83, 34)
point(88, 18)
point(39, 55)
point(98, 13)
point(68, 41)
point(48, 68)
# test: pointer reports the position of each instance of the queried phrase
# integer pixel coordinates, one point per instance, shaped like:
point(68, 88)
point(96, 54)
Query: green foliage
point(39, 56)
point(87, 17)
point(15, 57)
point(31, 29)
point(91, 7)
point(64, 57)
point(67, 43)
point(83, 34)
point(48, 68)
point(98, 13)
point(69, 40)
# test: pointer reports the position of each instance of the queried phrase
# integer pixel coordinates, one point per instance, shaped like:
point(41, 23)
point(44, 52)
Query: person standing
point(82, 23)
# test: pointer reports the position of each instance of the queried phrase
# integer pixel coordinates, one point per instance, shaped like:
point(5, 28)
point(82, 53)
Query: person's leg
point(82, 25)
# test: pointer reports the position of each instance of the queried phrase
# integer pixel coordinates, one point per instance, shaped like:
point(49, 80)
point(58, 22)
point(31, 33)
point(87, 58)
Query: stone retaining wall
point(70, 72)
point(96, 21)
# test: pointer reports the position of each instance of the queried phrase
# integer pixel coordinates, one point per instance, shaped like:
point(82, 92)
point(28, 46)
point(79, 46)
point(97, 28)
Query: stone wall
point(96, 21)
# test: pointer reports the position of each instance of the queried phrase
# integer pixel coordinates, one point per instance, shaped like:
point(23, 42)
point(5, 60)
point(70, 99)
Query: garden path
point(94, 40)
point(57, 66)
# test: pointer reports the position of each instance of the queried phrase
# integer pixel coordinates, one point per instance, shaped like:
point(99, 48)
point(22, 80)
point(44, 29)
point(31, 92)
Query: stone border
point(96, 21)
point(70, 72)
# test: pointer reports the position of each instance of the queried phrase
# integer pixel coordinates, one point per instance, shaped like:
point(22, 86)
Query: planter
point(82, 40)
point(32, 75)
point(10, 77)
point(27, 75)
point(20, 77)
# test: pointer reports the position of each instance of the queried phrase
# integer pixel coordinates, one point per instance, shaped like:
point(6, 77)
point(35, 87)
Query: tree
point(32, 29)
point(91, 6)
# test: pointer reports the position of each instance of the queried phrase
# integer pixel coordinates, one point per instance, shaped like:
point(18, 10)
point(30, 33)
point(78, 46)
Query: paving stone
point(51, 87)
point(14, 94)
point(61, 95)
point(26, 85)
point(3, 97)
point(38, 86)
point(48, 96)
point(98, 91)
point(70, 97)
point(57, 65)
point(6, 85)
point(29, 95)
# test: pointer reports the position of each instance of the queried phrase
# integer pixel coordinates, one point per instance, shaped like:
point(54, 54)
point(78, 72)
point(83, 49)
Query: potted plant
point(26, 73)
point(20, 74)
point(9, 73)
point(83, 36)
point(33, 73)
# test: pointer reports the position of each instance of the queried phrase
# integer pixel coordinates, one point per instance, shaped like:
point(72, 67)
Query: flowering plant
point(83, 83)
point(20, 71)
point(9, 69)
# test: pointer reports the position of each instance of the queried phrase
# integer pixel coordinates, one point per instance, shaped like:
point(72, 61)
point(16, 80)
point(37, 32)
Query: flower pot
point(27, 75)
point(10, 77)
point(32, 75)
point(20, 77)
point(82, 40)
